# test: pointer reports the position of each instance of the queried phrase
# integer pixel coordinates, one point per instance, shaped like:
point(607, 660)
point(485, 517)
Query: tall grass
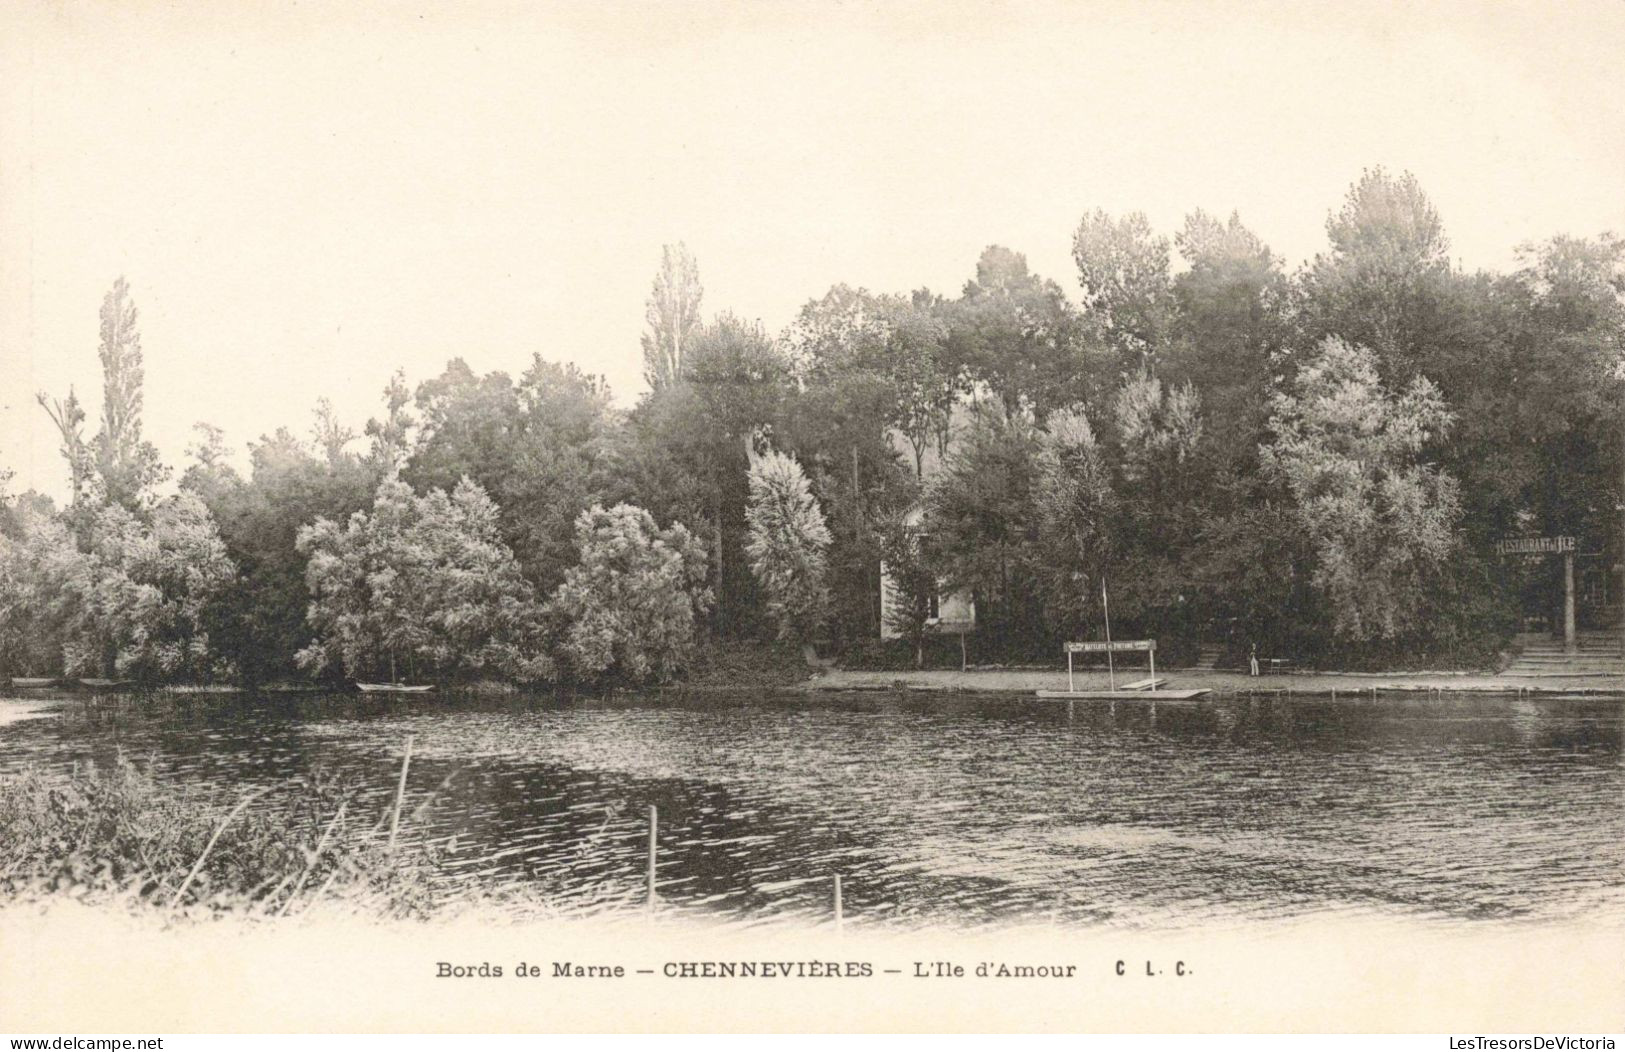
point(118, 834)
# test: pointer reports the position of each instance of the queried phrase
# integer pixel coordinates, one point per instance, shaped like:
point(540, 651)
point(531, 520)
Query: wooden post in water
point(654, 826)
point(1569, 644)
point(400, 794)
point(1106, 606)
point(837, 902)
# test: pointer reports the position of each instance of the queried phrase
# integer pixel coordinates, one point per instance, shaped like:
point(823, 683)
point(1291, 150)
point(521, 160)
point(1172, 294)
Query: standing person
point(1252, 660)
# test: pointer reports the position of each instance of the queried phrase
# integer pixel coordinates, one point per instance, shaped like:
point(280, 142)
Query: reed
point(118, 833)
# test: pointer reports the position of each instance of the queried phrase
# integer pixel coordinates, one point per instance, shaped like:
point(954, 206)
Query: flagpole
point(1105, 603)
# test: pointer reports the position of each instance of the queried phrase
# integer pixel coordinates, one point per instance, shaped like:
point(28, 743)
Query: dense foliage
point(423, 583)
point(631, 605)
point(787, 542)
point(1318, 461)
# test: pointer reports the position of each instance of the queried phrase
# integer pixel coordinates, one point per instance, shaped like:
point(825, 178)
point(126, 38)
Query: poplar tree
point(673, 315)
point(127, 464)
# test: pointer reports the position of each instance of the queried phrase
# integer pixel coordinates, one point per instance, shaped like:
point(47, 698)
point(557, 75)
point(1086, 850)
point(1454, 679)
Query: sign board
point(1535, 545)
point(1114, 647)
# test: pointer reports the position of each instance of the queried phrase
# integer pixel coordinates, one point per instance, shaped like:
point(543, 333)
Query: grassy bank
point(119, 836)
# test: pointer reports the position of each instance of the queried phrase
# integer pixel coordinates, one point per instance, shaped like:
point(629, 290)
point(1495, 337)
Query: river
point(941, 810)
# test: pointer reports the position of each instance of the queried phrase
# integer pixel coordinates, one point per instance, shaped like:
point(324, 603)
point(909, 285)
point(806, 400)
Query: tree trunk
point(870, 587)
point(721, 592)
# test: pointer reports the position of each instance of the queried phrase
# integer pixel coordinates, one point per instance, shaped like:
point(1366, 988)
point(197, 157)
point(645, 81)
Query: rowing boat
point(1124, 695)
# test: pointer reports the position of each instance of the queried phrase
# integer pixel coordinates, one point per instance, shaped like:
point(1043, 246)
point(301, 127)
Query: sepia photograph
point(702, 516)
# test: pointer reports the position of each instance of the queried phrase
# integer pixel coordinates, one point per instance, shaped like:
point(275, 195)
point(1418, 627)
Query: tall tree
point(1163, 498)
point(1567, 405)
point(117, 464)
point(1380, 520)
point(864, 365)
point(1013, 335)
point(260, 623)
point(543, 449)
point(1077, 526)
point(330, 434)
point(69, 417)
point(1381, 283)
point(787, 543)
point(740, 378)
point(38, 563)
point(1123, 272)
point(673, 316)
point(563, 461)
point(981, 514)
point(210, 475)
point(925, 382)
point(469, 426)
point(910, 579)
point(631, 606)
point(392, 436)
point(1230, 331)
point(133, 602)
point(128, 465)
point(419, 584)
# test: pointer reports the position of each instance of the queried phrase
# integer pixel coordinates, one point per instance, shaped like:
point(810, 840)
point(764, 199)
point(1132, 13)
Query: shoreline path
point(1028, 681)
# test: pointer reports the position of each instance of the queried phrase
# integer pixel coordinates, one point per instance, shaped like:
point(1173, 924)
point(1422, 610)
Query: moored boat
point(33, 682)
point(394, 688)
point(103, 684)
point(1125, 695)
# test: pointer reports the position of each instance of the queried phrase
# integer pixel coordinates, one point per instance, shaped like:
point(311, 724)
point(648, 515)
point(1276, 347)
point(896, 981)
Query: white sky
point(303, 202)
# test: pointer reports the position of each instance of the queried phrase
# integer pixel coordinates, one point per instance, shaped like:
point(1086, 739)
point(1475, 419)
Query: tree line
point(1318, 460)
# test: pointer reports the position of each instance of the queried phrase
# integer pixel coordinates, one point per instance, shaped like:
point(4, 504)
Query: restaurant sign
point(1535, 545)
point(1116, 647)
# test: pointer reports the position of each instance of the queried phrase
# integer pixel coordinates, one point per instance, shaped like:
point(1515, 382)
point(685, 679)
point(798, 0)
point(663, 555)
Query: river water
point(939, 810)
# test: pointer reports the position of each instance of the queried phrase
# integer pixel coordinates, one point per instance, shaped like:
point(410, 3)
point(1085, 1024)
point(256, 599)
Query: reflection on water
point(956, 811)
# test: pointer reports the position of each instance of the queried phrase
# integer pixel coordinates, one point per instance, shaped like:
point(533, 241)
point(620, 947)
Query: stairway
point(1596, 654)
point(1208, 657)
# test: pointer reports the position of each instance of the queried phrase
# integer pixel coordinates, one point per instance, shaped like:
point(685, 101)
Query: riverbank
point(1329, 684)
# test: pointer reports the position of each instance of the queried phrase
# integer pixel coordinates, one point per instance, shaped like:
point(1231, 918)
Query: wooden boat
point(394, 688)
point(33, 682)
point(1124, 695)
point(103, 684)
